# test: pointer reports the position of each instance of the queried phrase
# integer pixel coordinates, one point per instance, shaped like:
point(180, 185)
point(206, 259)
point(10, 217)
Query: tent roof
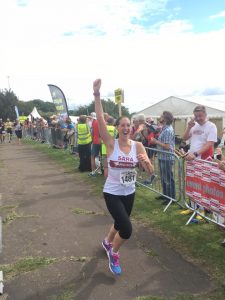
point(35, 114)
point(180, 108)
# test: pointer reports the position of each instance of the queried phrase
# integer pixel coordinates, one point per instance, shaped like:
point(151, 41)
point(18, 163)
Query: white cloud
point(219, 15)
point(70, 43)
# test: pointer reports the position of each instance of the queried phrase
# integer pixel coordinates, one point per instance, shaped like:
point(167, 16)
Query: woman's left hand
point(145, 162)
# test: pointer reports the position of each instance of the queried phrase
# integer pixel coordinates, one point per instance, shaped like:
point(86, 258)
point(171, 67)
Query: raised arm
point(106, 137)
point(187, 133)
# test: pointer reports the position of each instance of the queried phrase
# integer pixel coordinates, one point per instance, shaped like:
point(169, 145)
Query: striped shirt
point(166, 137)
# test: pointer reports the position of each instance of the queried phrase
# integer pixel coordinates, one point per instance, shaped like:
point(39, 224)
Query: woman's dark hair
point(168, 117)
point(117, 123)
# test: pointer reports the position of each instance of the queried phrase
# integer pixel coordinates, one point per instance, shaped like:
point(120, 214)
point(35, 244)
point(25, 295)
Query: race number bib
point(128, 177)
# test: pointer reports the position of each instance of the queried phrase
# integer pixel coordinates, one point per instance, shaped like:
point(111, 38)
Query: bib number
point(128, 177)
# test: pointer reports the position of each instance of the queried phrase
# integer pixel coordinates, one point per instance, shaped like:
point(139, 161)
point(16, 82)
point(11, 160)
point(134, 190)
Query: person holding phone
point(202, 135)
point(123, 155)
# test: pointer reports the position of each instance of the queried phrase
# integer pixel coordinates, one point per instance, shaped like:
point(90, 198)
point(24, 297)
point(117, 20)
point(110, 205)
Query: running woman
point(123, 155)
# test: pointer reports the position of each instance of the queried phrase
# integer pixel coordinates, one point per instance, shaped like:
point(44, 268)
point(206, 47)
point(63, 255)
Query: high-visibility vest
point(83, 134)
point(22, 119)
point(112, 131)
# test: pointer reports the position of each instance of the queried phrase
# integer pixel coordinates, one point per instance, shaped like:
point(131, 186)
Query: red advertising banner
point(205, 185)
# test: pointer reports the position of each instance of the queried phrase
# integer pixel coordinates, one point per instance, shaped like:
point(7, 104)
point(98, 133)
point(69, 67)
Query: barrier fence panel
point(51, 136)
point(205, 187)
point(167, 179)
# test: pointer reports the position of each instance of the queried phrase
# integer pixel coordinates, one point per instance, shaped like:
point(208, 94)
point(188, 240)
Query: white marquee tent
point(182, 111)
point(35, 114)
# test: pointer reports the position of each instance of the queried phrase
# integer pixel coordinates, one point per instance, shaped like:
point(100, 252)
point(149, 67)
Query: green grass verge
point(29, 264)
point(11, 214)
point(198, 242)
point(81, 211)
point(25, 265)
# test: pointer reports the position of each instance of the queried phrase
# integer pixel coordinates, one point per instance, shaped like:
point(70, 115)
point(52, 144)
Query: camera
point(152, 127)
point(217, 156)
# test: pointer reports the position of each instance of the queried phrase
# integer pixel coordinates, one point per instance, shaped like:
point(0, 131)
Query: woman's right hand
point(97, 85)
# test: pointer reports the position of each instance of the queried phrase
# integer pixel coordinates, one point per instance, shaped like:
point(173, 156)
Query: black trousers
point(85, 157)
point(120, 208)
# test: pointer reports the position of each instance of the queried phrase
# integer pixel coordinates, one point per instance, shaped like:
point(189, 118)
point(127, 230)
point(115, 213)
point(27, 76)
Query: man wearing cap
point(96, 143)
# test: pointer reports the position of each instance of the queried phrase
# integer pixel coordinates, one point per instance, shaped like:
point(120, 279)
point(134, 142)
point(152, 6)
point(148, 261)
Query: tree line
point(108, 105)
point(8, 101)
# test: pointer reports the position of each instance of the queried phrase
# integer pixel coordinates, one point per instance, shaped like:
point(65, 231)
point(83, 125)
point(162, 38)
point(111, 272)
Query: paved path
point(44, 194)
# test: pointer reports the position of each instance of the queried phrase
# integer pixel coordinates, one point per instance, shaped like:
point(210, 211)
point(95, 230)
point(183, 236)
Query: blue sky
point(198, 12)
point(151, 48)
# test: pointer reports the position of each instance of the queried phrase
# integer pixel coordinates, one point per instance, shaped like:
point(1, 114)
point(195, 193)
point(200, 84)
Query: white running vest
point(121, 171)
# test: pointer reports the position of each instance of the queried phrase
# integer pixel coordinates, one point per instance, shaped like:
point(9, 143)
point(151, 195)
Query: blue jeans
point(166, 175)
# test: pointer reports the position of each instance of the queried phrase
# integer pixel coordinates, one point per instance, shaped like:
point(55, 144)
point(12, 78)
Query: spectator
point(134, 128)
point(26, 123)
point(70, 134)
point(84, 144)
point(152, 131)
point(113, 133)
point(18, 131)
point(138, 134)
point(166, 142)
point(54, 121)
point(96, 143)
point(2, 131)
point(202, 135)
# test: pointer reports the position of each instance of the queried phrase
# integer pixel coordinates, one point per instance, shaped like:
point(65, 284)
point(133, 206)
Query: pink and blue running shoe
point(114, 264)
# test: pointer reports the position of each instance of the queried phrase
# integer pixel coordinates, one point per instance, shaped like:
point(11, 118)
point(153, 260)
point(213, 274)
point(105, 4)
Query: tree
point(109, 106)
point(42, 106)
point(8, 101)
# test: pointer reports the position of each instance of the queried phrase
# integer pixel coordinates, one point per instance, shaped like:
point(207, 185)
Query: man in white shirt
point(202, 134)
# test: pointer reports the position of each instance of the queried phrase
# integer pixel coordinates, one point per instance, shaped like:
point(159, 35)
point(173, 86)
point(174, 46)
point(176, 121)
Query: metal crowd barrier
point(51, 136)
point(167, 180)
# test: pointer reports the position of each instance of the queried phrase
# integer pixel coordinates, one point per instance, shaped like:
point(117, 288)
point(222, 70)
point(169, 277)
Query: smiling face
point(200, 117)
point(124, 127)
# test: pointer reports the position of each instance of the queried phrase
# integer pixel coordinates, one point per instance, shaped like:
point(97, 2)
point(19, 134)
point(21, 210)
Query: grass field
point(200, 243)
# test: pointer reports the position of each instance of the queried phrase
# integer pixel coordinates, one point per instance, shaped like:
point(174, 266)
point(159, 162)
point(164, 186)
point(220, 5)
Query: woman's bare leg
point(114, 238)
